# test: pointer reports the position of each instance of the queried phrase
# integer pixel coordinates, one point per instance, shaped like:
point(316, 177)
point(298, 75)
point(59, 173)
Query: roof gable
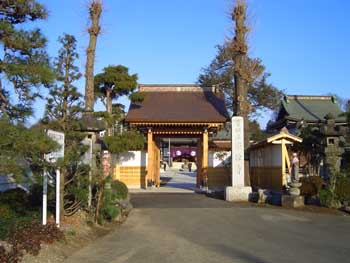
point(178, 103)
point(309, 108)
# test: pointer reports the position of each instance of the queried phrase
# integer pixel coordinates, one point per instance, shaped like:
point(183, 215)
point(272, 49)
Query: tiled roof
point(310, 108)
point(178, 103)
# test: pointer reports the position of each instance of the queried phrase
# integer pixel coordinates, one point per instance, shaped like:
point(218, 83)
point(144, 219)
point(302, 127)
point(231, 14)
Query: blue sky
point(303, 44)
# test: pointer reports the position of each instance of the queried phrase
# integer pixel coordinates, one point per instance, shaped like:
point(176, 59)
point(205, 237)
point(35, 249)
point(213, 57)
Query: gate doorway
point(178, 165)
point(177, 160)
point(183, 113)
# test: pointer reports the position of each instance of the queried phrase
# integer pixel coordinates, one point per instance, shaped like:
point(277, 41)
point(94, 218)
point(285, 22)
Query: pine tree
point(22, 150)
point(64, 104)
point(112, 83)
point(24, 63)
point(63, 111)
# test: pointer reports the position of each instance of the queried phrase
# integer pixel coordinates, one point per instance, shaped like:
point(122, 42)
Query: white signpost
point(53, 157)
point(237, 192)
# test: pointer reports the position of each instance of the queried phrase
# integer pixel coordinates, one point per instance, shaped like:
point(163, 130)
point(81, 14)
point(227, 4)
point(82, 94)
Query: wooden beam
point(286, 155)
point(283, 145)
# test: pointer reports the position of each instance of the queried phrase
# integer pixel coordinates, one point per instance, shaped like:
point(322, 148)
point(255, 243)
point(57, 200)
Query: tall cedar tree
point(24, 63)
point(95, 11)
point(242, 79)
point(113, 82)
point(63, 110)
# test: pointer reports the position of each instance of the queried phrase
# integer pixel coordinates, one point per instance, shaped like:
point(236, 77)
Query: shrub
point(9, 218)
point(119, 190)
point(9, 256)
point(17, 199)
point(311, 186)
point(28, 236)
point(110, 212)
point(342, 188)
point(326, 197)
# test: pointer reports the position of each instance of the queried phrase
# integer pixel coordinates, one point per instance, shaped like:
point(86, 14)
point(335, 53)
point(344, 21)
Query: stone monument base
point(293, 201)
point(237, 193)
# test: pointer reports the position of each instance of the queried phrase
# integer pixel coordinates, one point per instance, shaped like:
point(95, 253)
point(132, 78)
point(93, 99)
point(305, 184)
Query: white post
point(237, 151)
point(90, 174)
point(237, 192)
point(44, 197)
point(58, 175)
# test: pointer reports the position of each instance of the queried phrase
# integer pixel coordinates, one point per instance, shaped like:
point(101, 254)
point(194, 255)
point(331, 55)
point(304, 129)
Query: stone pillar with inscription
point(238, 191)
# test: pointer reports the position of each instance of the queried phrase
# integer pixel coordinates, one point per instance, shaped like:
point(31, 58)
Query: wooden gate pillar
point(199, 162)
point(156, 163)
point(150, 159)
point(205, 158)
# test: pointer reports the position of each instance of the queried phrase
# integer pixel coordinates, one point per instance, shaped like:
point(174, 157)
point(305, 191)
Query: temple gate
point(176, 111)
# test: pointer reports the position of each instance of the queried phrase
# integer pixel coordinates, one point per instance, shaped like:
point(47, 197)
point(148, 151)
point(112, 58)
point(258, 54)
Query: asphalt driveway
point(194, 228)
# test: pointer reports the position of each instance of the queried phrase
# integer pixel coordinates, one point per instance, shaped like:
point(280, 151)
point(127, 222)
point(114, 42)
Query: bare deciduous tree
point(95, 11)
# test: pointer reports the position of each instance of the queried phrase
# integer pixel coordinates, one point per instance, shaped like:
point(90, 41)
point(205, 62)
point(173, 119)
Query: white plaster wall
point(218, 159)
point(133, 158)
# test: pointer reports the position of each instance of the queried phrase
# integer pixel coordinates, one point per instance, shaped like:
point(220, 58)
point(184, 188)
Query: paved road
point(193, 228)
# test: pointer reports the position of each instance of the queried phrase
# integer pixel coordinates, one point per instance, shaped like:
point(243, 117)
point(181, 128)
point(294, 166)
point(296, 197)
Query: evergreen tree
point(64, 104)
point(24, 63)
point(113, 82)
point(22, 150)
point(63, 111)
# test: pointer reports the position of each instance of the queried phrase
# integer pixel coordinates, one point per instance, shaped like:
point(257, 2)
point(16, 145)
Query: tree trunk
point(65, 94)
point(109, 109)
point(241, 86)
point(98, 203)
point(94, 30)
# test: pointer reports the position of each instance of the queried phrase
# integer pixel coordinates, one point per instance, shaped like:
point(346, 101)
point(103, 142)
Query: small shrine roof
point(310, 108)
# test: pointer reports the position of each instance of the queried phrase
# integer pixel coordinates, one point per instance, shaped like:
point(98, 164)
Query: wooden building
point(270, 162)
point(297, 111)
point(177, 111)
point(319, 121)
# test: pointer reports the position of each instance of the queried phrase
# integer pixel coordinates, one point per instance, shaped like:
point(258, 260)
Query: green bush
point(326, 197)
point(7, 219)
point(311, 186)
point(342, 188)
point(110, 212)
point(119, 190)
point(15, 208)
point(17, 199)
